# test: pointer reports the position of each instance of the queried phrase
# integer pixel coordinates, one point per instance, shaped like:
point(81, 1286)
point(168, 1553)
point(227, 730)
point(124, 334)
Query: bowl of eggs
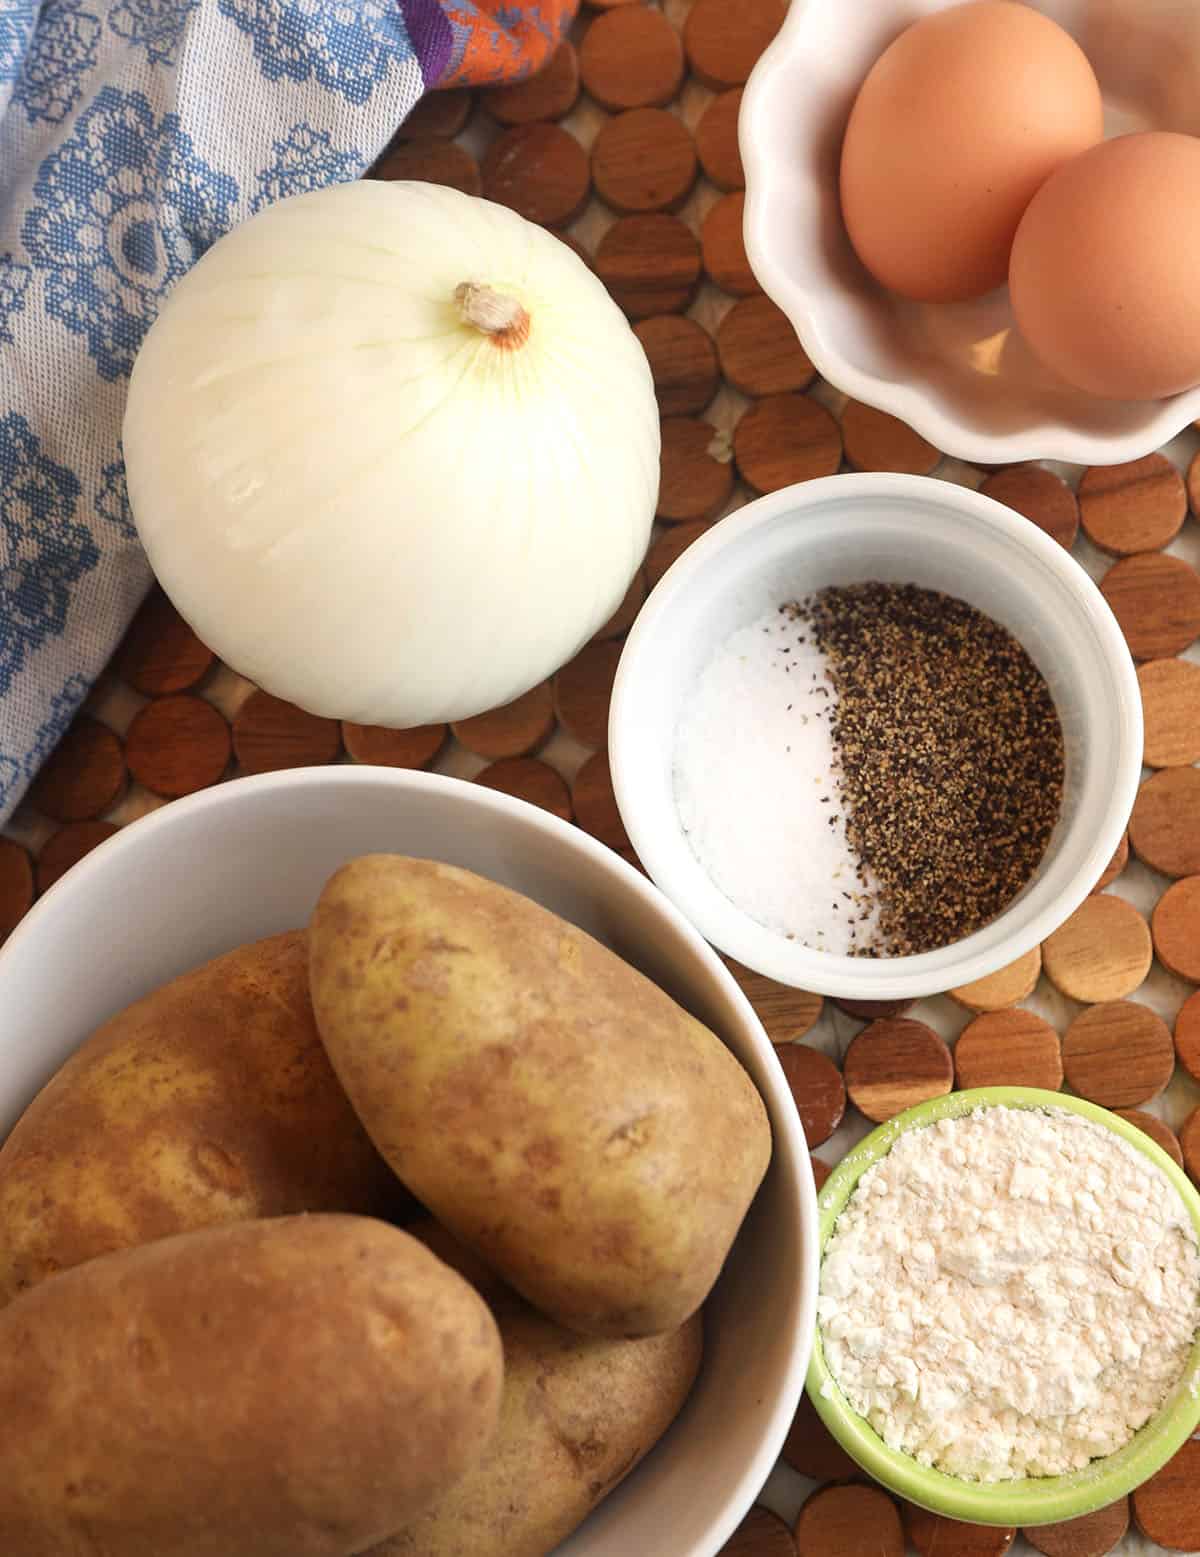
point(979, 216)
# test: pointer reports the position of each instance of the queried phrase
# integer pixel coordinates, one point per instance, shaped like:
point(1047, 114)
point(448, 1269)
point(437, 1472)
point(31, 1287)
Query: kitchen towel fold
point(133, 133)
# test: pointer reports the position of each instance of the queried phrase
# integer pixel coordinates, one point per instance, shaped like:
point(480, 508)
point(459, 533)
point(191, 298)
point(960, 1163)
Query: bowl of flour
point(1008, 1323)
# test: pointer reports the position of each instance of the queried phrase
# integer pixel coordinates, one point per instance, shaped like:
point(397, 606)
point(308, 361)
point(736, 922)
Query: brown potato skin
point(209, 1100)
point(578, 1413)
point(561, 1115)
point(298, 1387)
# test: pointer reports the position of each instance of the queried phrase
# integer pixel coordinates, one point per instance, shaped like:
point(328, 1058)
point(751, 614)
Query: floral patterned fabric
point(132, 134)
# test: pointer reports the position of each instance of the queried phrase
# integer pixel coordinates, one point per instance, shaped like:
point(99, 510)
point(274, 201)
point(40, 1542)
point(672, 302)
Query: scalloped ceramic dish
point(956, 372)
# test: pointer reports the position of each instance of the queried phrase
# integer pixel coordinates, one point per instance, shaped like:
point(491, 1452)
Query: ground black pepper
point(950, 757)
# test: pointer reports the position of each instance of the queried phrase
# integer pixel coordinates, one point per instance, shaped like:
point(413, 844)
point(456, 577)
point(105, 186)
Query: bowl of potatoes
point(388, 1170)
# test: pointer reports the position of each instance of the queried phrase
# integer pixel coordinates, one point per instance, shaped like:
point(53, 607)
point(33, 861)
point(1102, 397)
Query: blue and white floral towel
point(132, 134)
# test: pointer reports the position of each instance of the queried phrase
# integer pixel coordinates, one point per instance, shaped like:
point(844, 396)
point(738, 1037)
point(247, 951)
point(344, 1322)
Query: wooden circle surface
point(696, 470)
point(724, 38)
point(1167, 1507)
point(1012, 1048)
point(644, 160)
point(650, 264)
point(1165, 826)
point(538, 170)
point(1187, 1035)
point(383, 747)
point(932, 1535)
point(811, 1448)
point(1102, 952)
point(595, 804)
point(1175, 926)
point(817, 1087)
point(269, 734)
point(759, 351)
point(1004, 987)
point(1138, 506)
point(1091, 1535)
point(1171, 712)
point(668, 548)
point(512, 731)
point(16, 884)
point(1115, 865)
point(583, 690)
point(1158, 1131)
point(431, 161)
point(160, 653)
point(760, 1534)
point(631, 58)
point(1040, 496)
point(895, 1063)
point(876, 441)
point(786, 438)
point(1118, 1054)
point(550, 94)
point(872, 1010)
point(177, 745)
point(683, 363)
point(83, 776)
point(723, 247)
point(786, 1014)
point(1156, 600)
point(67, 847)
point(717, 141)
point(820, 1172)
point(529, 779)
point(848, 1521)
point(1189, 1143)
point(439, 115)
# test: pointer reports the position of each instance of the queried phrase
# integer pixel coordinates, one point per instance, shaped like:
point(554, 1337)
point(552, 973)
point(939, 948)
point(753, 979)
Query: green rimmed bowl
point(1031, 1500)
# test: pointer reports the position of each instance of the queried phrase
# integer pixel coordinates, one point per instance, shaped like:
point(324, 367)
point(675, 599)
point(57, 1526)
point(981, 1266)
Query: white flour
point(1010, 1293)
point(757, 793)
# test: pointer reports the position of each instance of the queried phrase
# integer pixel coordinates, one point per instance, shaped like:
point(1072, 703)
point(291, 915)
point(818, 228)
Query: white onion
point(393, 452)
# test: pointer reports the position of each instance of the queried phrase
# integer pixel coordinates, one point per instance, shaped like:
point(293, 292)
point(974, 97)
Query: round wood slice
point(849, 1521)
point(644, 160)
point(650, 264)
point(529, 779)
point(1102, 952)
point(1040, 496)
point(1167, 1507)
point(631, 57)
point(820, 1172)
point(432, 162)
point(550, 94)
point(177, 745)
point(1189, 1143)
point(817, 1087)
point(438, 115)
point(1138, 506)
point(1171, 712)
point(1193, 481)
point(596, 805)
point(760, 1534)
point(874, 440)
point(872, 1010)
point(683, 363)
point(724, 38)
point(160, 652)
point(1165, 826)
point(83, 776)
point(1161, 1134)
point(67, 847)
point(724, 249)
point(1175, 926)
point(539, 171)
point(383, 747)
point(622, 618)
point(758, 349)
point(786, 1014)
point(1118, 1054)
point(1115, 866)
point(1187, 1035)
point(670, 547)
point(1004, 987)
point(1091, 1535)
point(1011, 1048)
point(1156, 600)
point(16, 885)
point(895, 1063)
point(811, 1448)
point(934, 1536)
point(786, 438)
point(696, 479)
point(269, 734)
point(515, 730)
point(717, 141)
point(583, 690)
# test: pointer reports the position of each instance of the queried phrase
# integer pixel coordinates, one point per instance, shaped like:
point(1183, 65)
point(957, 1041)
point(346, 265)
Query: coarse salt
point(757, 791)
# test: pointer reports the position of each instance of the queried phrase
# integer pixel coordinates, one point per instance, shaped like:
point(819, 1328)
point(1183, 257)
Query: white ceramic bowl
point(248, 859)
point(958, 373)
point(899, 529)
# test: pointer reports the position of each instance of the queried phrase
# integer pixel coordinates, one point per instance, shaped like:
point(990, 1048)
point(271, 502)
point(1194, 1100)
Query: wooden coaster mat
point(626, 145)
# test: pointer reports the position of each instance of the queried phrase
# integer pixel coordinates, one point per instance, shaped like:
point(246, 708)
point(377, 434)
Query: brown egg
point(958, 123)
point(1103, 273)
